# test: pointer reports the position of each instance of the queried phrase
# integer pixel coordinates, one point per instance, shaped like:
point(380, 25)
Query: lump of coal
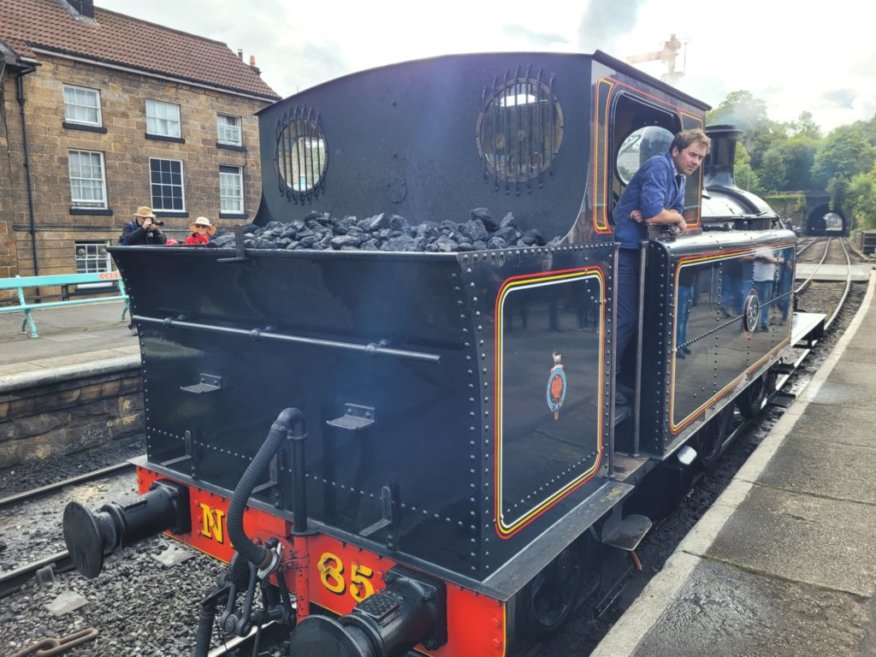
point(382, 232)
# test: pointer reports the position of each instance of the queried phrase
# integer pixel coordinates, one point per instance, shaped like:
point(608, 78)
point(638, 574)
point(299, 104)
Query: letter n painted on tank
point(211, 523)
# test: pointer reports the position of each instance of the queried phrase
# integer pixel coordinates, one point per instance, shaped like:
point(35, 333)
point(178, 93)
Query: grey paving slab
point(722, 611)
point(852, 394)
point(839, 425)
point(820, 541)
point(819, 467)
point(74, 341)
point(82, 317)
point(17, 368)
point(25, 349)
point(864, 354)
point(856, 373)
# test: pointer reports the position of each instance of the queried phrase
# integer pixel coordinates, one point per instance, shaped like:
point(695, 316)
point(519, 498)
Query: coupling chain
point(52, 646)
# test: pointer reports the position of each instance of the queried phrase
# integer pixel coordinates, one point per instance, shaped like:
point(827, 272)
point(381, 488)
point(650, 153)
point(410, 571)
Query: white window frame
point(92, 260)
point(163, 119)
point(230, 131)
point(76, 101)
point(82, 179)
point(231, 190)
point(182, 185)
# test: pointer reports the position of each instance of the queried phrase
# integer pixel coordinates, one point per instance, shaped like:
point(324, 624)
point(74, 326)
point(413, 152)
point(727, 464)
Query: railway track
point(826, 297)
point(23, 546)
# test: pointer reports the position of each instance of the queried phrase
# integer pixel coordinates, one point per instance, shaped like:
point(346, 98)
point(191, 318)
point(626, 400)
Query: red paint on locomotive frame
point(475, 622)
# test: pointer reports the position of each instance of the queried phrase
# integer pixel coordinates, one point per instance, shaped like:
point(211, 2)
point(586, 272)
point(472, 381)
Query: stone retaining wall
point(62, 415)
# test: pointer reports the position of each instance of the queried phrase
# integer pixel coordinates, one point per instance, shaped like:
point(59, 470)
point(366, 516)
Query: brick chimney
point(84, 8)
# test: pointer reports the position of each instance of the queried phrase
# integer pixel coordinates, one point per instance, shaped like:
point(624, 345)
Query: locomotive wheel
point(713, 436)
point(751, 399)
point(550, 598)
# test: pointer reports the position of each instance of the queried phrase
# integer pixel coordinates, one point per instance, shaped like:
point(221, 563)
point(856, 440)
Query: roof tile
point(32, 25)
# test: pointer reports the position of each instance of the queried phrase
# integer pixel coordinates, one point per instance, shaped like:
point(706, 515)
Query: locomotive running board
point(513, 575)
point(808, 327)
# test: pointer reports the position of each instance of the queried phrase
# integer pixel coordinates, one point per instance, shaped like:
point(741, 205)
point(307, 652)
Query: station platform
point(784, 563)
point(73, 340)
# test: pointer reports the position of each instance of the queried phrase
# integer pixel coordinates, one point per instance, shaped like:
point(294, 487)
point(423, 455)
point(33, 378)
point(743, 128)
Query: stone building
point(101, 113)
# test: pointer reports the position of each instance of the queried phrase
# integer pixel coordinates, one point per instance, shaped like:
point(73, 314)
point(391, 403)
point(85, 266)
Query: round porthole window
point(302, 155)
point(520, 129)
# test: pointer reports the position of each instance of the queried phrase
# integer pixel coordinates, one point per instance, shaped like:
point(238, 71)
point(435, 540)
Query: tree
point(743, 174)
point(845, 152)
point(774, 170)
point(787, 164)
point(805, 126)
point(861, 199)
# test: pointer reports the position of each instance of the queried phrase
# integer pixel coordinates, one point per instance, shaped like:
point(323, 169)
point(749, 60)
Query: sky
point(793, 56)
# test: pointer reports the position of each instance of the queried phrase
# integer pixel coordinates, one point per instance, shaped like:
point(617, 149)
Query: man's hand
point(147, 223)
point(681, 226)
point(636, 215)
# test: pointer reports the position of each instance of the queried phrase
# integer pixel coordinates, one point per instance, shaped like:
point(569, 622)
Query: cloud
point(537, 39)
point(603, 23)
point(842, 98)
point(723, 51)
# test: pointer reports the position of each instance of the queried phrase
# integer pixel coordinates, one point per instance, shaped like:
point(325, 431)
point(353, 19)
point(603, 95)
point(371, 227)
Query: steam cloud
point(603, 22)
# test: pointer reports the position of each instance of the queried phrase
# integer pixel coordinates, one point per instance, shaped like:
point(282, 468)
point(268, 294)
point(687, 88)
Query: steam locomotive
point(418, 452)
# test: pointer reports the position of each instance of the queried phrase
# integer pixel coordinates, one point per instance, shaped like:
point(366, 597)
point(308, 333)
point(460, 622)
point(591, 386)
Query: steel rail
point(12, 581)
point(801, 250)
point(78, 479)
point(806, 283)
point(846, 290)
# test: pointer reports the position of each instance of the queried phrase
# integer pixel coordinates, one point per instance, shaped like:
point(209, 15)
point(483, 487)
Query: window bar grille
point(307, 147)
point(506, 144)
point(281, 156)
point(528, 121)
point(552, 128)
point(515, 131)
point(484, 136)
point(299, 165)
point(542, 104)
point(309, 159)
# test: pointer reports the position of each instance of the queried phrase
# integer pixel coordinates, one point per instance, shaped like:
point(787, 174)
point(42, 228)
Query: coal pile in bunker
point(385, 232)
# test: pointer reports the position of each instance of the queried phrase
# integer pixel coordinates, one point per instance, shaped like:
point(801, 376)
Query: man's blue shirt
point(653, 188)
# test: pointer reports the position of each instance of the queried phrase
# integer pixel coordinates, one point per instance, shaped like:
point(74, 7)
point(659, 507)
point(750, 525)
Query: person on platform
point(654, 196)
point(764, 277)
point(142, 230)
point(202, 230)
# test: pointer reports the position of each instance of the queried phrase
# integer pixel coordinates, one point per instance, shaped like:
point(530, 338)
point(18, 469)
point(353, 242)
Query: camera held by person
point(143, 230)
